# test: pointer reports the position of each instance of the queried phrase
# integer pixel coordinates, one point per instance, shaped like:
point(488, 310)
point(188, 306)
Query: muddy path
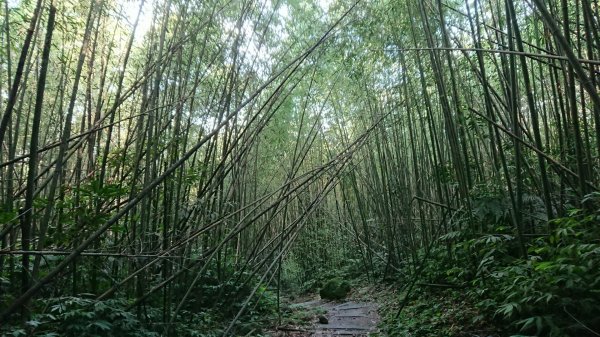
point(346, 318)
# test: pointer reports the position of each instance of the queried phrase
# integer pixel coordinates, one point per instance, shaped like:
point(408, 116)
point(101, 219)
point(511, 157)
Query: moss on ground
point(335, 289)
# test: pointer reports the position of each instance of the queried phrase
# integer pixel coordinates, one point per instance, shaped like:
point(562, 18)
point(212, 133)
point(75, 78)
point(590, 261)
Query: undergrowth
point(207, 313)
point(435, 313)
point(478, 281)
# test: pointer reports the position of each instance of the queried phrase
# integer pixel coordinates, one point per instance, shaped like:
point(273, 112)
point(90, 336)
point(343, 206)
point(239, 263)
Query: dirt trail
point(349, 318)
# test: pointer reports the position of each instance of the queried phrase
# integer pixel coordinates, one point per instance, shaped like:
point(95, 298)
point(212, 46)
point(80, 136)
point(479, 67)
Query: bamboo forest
point(299, 168)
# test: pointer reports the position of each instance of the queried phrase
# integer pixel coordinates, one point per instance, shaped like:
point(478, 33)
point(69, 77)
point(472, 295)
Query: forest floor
point(313, 316)
point(373, 311)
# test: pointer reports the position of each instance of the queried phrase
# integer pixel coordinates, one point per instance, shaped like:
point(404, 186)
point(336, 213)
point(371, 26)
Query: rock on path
point(349, 319)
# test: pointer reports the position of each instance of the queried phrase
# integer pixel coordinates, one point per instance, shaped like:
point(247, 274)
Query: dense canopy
point(184, 167)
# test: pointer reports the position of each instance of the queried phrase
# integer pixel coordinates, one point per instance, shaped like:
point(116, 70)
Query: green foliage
point(556, 291)
point(432, 314)
point(216, 299)
point(7, 217)
point(227, 295)
point(102, 192)
point(76, 316)
point(197, 324)
point(213, 304)
point(321, 253)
